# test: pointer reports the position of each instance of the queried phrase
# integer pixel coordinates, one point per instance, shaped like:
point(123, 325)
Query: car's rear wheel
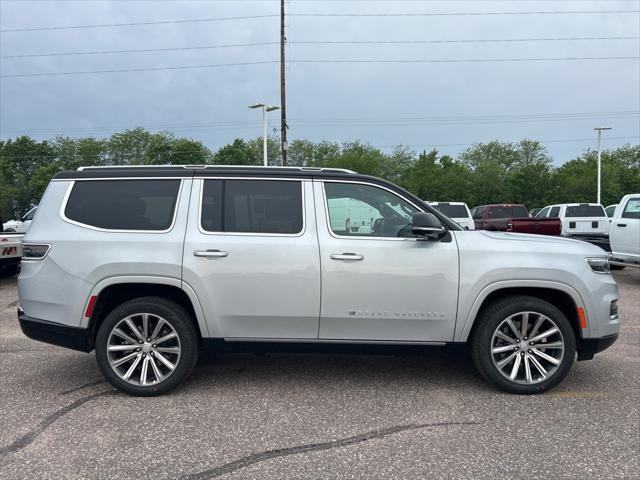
point(146, 346)
point(523, 345)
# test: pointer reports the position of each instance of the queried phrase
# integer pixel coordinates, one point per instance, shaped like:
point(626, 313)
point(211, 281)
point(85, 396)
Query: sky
point(417, 87)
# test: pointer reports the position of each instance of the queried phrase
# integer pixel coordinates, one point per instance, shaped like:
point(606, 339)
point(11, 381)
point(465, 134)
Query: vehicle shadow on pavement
point(335, 371)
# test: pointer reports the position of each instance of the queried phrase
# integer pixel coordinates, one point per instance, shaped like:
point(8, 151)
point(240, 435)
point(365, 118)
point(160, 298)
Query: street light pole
point(265, 108)
point(264, 136)
point(599, 130)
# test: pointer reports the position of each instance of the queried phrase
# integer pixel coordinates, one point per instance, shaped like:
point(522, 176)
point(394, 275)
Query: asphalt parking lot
point(318, 416)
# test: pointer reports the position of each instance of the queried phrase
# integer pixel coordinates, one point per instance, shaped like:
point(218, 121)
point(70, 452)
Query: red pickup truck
point(513, 218)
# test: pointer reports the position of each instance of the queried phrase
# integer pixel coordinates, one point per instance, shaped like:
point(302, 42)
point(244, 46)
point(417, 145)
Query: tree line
point(493, 172)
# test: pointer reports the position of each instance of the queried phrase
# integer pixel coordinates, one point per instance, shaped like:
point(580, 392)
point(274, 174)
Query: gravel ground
point(318, 416)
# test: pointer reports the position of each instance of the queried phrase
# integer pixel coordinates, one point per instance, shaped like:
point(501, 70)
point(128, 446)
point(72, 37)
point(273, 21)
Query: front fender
point(464, 328)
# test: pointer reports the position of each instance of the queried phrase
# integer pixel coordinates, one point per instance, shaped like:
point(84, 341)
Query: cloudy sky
point(445, 104)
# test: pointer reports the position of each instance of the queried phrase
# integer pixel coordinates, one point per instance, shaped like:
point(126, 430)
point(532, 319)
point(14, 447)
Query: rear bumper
point(55, 333)
point(588, 347)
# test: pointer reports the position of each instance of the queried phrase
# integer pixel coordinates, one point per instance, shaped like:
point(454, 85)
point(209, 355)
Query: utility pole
point(283, 102)
point(599, 130)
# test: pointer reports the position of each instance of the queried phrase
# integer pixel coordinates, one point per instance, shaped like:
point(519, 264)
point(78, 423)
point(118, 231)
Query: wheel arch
point(114, 291)
point(562, 296)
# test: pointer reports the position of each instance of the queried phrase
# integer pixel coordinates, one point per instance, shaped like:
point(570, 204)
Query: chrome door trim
point(329, 340)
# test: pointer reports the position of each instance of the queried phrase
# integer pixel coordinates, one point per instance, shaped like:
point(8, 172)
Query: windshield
point(585, 211)
point(452, 211)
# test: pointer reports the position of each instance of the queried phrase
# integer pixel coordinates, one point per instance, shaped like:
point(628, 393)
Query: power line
point(320, 42)
point(111, 154)
point(135, 24)
point(462, 14)
point(264, 62)
point(467, 60)
point(480, 40)
point(564, 140)
point(319, 15)
point(340, 122)
point(142, 50)
point(148, 69)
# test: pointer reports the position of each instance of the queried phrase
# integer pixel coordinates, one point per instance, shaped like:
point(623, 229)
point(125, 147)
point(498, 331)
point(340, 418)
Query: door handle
point(210, 253)
point(346, 256)
point(622, 224)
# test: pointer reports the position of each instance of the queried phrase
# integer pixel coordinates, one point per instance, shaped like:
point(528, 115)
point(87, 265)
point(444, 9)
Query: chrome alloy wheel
point(527, 347)
point(143, 349)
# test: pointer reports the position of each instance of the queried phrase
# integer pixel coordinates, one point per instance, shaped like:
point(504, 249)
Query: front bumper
point(55, 333)
point(588, 347)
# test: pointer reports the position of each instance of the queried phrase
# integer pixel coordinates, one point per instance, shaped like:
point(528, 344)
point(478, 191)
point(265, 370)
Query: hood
point(541, 240)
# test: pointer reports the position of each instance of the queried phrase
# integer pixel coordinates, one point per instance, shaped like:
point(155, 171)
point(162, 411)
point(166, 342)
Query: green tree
point(237, 153)
point(20, 159)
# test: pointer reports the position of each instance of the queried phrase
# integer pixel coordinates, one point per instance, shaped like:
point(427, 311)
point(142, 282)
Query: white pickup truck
point(10, 252)
point(624, 236)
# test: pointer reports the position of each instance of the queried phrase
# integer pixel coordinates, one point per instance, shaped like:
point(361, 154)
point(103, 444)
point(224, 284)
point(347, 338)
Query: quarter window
point(252, 206)
point(365, 211)
point(124, 204)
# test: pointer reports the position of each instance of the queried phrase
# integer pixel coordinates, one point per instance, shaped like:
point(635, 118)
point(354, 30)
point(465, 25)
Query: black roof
point(200, 170)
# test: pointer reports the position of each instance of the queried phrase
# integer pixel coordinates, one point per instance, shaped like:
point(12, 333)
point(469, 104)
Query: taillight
point(35, 251)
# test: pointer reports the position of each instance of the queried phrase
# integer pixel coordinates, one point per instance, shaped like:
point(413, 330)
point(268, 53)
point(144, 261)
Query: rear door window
point(133, 205)
point(252, 206)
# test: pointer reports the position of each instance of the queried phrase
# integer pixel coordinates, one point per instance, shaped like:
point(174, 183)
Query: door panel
point(625, 230)
point(254, 285)
point(385, 288)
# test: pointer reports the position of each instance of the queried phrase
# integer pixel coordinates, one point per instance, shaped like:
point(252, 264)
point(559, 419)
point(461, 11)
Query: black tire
point(176, 317)
point(493, 316)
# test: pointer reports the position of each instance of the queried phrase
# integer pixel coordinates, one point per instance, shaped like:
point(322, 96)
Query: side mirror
point(427, 225)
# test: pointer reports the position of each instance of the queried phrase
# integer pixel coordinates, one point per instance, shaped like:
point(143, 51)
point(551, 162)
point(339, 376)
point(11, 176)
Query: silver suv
point(150, 265)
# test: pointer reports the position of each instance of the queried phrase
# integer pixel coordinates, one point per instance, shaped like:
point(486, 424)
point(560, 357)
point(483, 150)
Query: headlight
point(599, 264)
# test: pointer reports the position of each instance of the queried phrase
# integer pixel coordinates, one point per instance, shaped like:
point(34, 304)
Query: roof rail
point(260, 167)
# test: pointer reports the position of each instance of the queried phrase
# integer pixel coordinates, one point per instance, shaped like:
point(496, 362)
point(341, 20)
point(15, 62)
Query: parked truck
point(513, 218)
point(10, 253)
point(624, 237)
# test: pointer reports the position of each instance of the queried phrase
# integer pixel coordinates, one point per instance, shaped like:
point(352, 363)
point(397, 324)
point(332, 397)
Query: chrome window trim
point(252, 234)
point(109, 230)
point(27, 259)
point(335, 235)
point(117, 178)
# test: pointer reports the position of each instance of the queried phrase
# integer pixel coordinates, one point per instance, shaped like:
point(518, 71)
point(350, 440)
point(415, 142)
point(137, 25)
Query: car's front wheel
point(146, 346)
point(523, 345)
